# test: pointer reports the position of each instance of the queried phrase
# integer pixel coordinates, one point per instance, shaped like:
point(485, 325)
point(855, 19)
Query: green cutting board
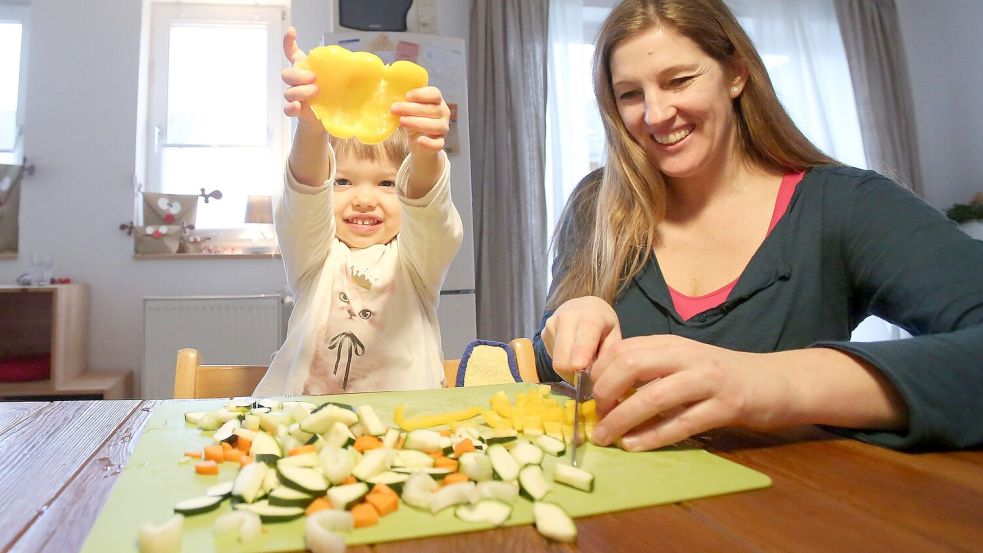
point(153, 480)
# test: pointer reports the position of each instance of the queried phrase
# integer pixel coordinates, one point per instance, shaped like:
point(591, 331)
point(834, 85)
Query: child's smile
point(366, 206)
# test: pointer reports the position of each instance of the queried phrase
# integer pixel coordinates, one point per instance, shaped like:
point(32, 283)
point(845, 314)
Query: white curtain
point(801, 46)
point(570, 100)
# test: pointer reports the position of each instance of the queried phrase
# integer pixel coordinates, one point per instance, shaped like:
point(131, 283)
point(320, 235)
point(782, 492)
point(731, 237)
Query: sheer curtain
point(801, 47)
point(507, 99)
point(872, 36)
point(570, 91)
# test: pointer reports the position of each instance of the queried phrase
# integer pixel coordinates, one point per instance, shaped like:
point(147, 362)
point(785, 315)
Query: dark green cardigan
point(851, 244)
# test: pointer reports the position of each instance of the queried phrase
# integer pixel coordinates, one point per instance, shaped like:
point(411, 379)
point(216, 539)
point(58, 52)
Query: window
point(13, 55)
point(214, 110)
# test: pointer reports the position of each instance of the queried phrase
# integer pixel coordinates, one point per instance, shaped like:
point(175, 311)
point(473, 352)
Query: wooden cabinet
point(53, 321)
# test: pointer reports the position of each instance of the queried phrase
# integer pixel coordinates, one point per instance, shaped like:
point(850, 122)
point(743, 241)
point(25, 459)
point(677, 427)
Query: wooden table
point(60, 460)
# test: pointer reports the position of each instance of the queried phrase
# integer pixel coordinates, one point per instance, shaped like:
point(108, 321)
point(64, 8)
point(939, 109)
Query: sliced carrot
point(225, 446)
point(445, 463)
point(319, 504)
point(365, 514)
point(455, 478)
point(383, 489)
point(383, 502)
point(215, 453)
point(463, 446)
point(233, 455)
point(446, 433)
point(309, 448)
point(244, 444)
point(365, 443)
point(193, 454)
point(206, 467)
point(350, 480)
point(244, 460)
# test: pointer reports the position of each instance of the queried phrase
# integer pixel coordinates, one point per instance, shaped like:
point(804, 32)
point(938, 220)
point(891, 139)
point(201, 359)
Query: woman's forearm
point(827, 386)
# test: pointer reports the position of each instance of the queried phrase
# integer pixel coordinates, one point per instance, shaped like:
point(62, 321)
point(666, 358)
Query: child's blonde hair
point(395, 148)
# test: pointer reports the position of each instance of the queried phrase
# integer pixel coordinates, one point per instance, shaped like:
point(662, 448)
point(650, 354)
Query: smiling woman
point(721, 260)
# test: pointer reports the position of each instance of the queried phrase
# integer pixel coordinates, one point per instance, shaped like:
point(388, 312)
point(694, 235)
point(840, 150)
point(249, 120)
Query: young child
point(366, 234)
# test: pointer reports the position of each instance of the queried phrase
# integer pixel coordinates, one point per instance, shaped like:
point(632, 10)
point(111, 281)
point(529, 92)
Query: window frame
point(163, 15)
point(18, 13)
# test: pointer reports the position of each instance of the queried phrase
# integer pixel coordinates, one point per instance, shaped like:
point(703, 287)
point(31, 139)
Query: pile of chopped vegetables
point(340, 467)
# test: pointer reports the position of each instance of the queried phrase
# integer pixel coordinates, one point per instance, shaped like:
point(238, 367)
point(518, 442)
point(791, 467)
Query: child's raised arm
point(426, 118)
point(309, 160)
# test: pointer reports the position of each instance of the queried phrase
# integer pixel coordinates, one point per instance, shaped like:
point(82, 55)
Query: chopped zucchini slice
point(492, 511)
point(371, 424)
point(553, 522)
point(525, 453)
point(451, 494)
point(161, 538)
point(573, 476)
point(343, 497)
point(302, 479)
point(533, 482)
point(248, 484)
point(222, 490)
point(504, 465)
point(551, 445)
point(198, 505)
point(427, 441)
point(283, 496)
point(272, 513)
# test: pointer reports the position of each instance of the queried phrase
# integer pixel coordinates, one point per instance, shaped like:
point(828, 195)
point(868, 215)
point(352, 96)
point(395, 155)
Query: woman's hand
point(301, 84)
point(577, 332)
point(652, 391)
point(426, 118)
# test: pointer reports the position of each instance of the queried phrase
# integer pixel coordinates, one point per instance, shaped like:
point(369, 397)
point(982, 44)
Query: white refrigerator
point(445, 59)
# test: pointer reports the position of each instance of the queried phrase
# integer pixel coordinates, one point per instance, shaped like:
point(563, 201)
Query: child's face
point(366, 208)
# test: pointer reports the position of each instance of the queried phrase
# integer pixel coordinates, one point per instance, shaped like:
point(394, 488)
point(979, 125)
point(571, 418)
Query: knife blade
point(581, 384)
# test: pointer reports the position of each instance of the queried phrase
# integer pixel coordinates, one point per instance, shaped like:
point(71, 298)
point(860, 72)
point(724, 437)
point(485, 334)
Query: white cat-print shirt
point(363, 319)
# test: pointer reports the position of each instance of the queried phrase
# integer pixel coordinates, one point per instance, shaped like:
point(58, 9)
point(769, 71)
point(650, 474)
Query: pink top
point(687, 306)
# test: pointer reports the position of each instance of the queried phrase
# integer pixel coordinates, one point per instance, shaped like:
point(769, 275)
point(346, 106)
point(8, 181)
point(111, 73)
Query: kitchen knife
point(582, 387)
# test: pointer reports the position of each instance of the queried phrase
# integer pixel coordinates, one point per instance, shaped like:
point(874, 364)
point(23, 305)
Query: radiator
point(226, 330)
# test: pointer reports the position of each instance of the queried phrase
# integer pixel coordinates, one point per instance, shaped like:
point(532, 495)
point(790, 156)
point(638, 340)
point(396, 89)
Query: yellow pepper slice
point(428, 421)
point(356, 90)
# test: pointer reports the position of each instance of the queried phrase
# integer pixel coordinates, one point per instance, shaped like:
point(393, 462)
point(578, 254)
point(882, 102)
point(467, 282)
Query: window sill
point(183, 256)
point(8, 255)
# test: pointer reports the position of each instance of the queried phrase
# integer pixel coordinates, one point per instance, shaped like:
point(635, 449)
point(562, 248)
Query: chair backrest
point(194, 380)
point(525, 359)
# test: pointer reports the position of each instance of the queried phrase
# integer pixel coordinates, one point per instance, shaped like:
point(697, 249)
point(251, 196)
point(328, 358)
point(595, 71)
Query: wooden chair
point(525, 359)
point(193, 380)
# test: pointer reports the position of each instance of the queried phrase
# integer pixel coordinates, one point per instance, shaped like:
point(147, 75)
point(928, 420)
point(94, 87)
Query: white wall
point(80, 128)
point(943, 44)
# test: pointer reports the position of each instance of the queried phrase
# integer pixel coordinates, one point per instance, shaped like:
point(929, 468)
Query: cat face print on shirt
point(348, 342)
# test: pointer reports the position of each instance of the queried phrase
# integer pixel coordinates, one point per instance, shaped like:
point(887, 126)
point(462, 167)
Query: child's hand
point(426, 118)
point(301, 83)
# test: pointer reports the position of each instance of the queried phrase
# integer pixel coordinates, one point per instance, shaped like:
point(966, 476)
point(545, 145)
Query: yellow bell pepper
point(428, 421)
point(356, 91)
